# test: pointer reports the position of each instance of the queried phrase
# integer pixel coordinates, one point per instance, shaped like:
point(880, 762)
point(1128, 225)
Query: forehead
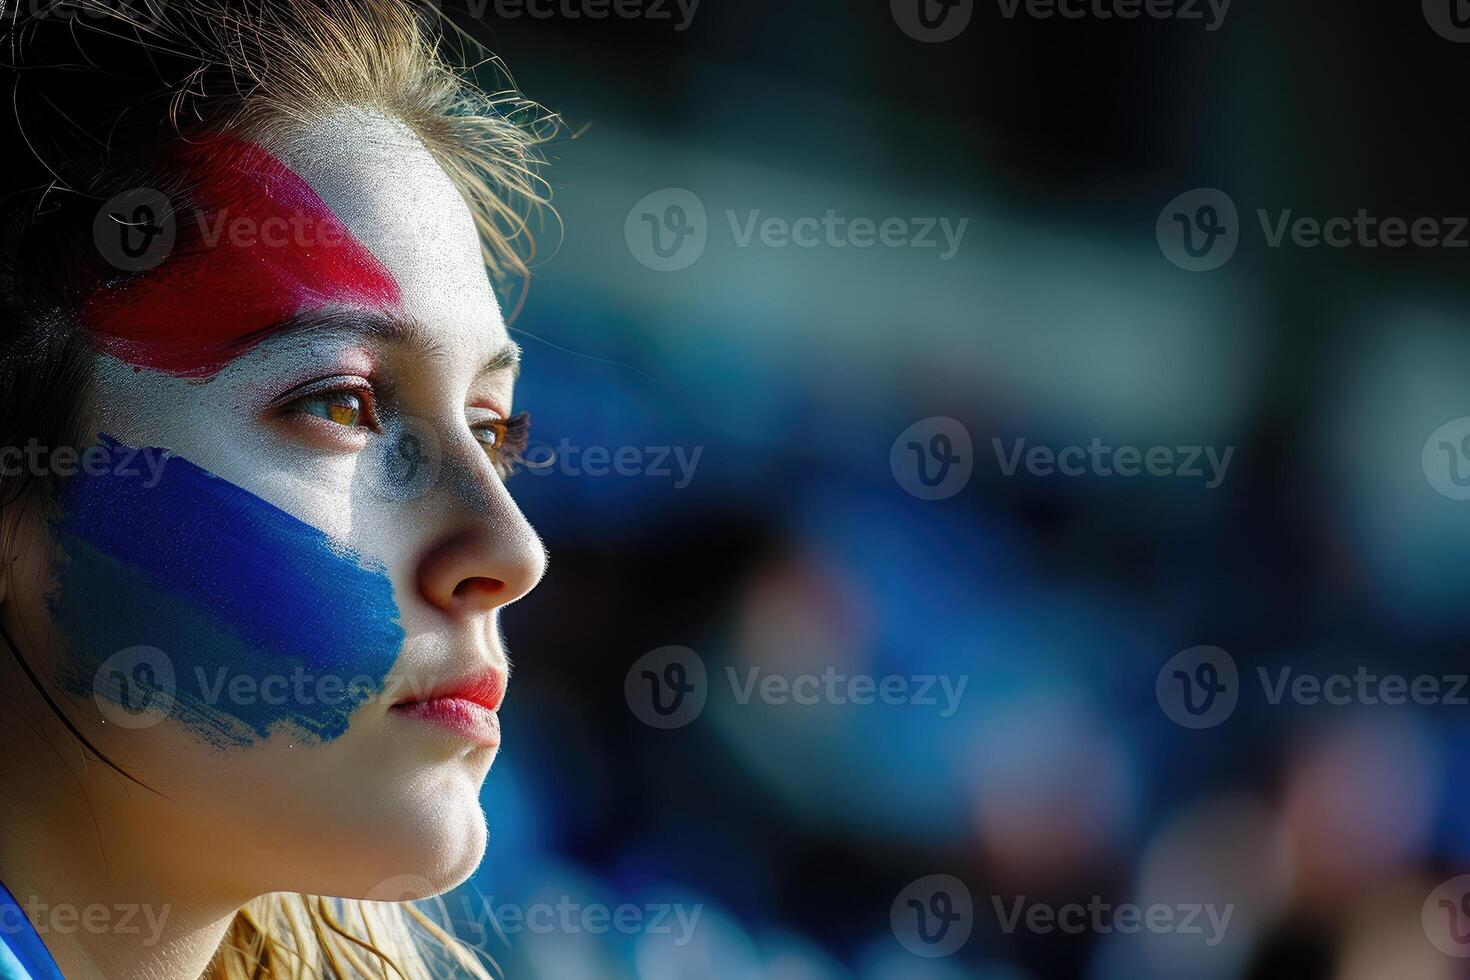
point(350, 211)
point(390, 193)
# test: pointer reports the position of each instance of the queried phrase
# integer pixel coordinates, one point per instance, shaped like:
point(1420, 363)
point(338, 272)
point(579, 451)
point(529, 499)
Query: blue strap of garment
point(22, 954)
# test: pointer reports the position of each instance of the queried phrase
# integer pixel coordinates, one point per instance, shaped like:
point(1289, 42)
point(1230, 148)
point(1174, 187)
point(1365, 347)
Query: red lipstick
point(467, 707)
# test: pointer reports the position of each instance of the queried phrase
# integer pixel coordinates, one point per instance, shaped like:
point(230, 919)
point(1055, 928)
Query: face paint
point(258, 247)
point(227, 586)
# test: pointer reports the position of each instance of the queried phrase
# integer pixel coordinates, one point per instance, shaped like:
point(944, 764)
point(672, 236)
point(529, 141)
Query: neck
point(117, 930)
point(100, 873)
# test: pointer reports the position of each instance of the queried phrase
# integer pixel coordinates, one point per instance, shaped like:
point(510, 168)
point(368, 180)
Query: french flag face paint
point(256, 247)
point(268, 631)
point(265, 623)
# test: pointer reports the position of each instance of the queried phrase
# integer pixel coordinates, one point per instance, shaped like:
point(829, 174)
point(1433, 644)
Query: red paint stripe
point(220, 290)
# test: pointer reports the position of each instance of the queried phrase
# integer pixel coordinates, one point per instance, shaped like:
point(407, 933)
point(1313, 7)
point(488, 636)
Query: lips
point(467, 707)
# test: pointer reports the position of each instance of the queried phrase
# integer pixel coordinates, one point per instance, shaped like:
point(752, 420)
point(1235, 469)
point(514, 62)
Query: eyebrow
point(385, 327)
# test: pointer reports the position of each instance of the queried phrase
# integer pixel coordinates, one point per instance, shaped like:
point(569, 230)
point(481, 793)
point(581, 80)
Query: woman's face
point(256, 613)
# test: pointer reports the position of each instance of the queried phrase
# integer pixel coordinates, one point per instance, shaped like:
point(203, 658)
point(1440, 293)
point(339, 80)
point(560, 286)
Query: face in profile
point(270, 597)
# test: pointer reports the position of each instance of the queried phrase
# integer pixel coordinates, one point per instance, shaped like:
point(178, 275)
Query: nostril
point(472, 571)
point(478, 587)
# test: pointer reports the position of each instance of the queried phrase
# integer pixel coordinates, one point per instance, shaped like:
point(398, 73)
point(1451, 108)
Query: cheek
point(260, 620)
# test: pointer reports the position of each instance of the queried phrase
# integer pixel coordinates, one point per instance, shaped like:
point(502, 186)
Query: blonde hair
point(263, 65)
point(258, 69)
point(285, 935)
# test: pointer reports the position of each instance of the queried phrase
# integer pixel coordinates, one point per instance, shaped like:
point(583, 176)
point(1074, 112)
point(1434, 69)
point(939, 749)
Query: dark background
point(795, 546)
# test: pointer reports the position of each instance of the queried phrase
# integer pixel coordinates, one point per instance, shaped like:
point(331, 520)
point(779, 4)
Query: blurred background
point(761, 454)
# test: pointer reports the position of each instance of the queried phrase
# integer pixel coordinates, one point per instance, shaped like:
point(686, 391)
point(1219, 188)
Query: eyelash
point(512, 435)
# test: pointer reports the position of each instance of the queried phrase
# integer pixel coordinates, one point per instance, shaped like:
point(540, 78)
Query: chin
point(433, 836)
point(410, 836)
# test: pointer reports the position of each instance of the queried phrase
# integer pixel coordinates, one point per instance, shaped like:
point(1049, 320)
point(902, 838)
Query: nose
point(487, 555)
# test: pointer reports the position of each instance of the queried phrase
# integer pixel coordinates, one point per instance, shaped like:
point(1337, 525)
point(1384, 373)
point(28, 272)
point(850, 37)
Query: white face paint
point(408, 485)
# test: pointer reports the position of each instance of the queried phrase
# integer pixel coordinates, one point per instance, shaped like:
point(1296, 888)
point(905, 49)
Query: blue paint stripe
point(270, 578)
point(228, 587)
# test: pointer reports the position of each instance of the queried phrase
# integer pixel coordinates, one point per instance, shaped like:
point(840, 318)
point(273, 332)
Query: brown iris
point(342, 407)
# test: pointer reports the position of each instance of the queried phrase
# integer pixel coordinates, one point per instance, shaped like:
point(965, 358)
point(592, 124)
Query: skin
point(394, 795)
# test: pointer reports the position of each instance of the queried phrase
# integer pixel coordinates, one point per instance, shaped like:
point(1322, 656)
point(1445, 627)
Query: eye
point(342, 401)
point(491, 435)
point(504, 439)
point(343, 407)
